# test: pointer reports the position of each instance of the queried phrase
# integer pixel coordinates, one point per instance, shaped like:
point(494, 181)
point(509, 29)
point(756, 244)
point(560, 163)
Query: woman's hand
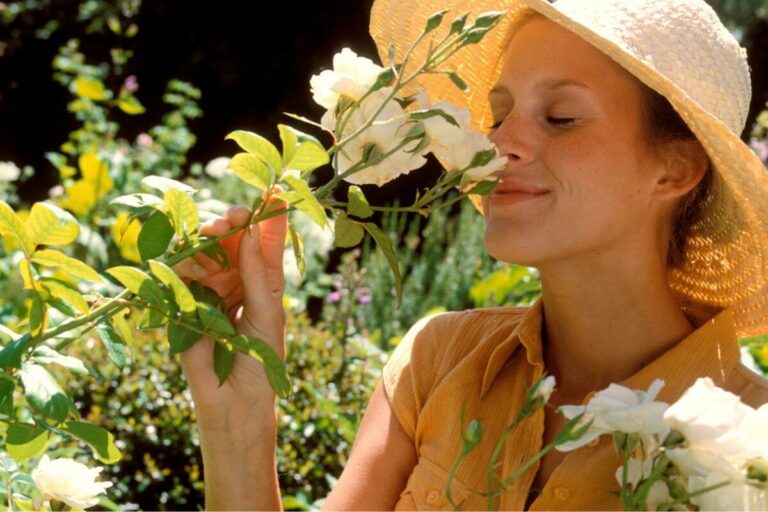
point(252, 290)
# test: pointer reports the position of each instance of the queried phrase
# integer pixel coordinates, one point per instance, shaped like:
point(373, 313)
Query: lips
point(512, 187)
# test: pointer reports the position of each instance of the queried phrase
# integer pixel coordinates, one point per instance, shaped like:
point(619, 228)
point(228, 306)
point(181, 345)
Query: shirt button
point(433, 496)
point(561, 493)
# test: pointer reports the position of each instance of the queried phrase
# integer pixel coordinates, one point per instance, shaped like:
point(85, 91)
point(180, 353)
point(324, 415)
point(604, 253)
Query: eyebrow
point(546, 84)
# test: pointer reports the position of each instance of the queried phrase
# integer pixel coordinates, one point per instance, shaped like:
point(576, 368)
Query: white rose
point(387, 131)
point(620, 409)
point(9, 171)
point(442, 132)
point(351, 76)
point(736, 495)
point(218, 167)
point(460, 155)
point(710, 419)
point(68, 481)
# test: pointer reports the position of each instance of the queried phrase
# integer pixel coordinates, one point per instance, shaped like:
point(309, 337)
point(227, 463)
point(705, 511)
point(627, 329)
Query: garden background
point(157, 85)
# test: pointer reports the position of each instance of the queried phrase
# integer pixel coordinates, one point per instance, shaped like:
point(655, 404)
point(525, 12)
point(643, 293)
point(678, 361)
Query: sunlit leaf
point(46, 355)
point(290, 139)
point(44, 394)
point(130, 105)
point(223, 360)
point(26, 274)
point(24, 441)
point(125, 233)
point(307, 202)
point(182, 213)
point(96, 172)
point(165, 184)
point(298, 249)
point(251, 169)
point(168, 277)
point(116, 348)
point(138, 282)
point(11, 227)
point(139, 200)
point(357, 204)
point(50, 225)
point(65, 292)
point(58, 260)
point(214, 320)
point(10, 355)
point(101, 442)
point(259, 146)
point(90, 88)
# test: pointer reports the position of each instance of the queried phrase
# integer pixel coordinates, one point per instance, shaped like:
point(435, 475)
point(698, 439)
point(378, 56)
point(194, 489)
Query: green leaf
point(223, 360)
point(203, 293)
point(433, 112)
point(24, 441)
point(181, 337)
point(217, 253)
point(44, 394)
point(434, 21)
point(101, 442)
point(458, 81)
point(50, 225)
point(124, 330)
point(273, 364)
point(482, 157)
point(474, 36)
point(138, 282)
point(252, 170)
point(46, 355)
point(65, 292)
point(12, 228)
point(182, 212)
point(151, 319)
point(385, 244)
point(307, 202)
point(6, 396)
point(214, 321)
point(91, 88)
point(130, 105)
point(309, 156)
point(298, 250)
point(168, 277)
point(36, 314)
point(348, 233)
point(385, 79)
point(484, 187)
point(116, 348)
point(290, 139)
point(56, 259)
point(165, 184)
point(10, 355)
point(155, 235)
point(139, 200)
point(258, 146)
point(357, 204)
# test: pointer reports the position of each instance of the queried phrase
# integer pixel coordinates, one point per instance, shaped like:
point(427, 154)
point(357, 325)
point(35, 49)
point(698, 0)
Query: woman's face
point(578, 182)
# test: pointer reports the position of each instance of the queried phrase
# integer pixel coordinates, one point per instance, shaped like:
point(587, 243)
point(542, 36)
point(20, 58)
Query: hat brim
point(726, 258)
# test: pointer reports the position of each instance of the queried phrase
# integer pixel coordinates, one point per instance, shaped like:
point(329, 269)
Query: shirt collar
point(711, 350)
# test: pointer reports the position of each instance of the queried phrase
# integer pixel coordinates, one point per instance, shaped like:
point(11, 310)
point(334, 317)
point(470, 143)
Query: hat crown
point(684, 41)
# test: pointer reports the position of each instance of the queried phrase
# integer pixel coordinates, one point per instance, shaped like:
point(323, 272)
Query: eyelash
point(559, 122)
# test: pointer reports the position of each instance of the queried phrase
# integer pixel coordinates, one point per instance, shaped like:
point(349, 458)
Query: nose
point(514, 139)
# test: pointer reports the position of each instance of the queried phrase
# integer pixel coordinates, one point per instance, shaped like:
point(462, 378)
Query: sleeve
point(410, 373)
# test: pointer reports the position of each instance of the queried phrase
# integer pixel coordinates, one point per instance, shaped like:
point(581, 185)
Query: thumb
point(260, 259)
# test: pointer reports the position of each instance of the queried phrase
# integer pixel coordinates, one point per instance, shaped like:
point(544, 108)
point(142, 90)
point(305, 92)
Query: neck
point(602, 325)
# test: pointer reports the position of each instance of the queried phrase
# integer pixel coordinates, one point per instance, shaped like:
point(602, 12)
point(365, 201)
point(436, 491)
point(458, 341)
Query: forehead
point(543, 50)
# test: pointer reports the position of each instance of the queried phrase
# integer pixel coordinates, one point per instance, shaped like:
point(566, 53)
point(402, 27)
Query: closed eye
point(561, 122)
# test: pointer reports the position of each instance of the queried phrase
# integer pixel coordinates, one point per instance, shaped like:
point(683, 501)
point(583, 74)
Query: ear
point(685, 163)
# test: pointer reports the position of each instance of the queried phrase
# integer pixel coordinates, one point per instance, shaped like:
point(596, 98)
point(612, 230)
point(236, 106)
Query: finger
point(189, 268)
point(273, 233)
point(238, 215)
point(215, 227)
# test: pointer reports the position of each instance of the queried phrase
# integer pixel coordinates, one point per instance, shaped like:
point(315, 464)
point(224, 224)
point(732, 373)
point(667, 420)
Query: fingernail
point(197, 269)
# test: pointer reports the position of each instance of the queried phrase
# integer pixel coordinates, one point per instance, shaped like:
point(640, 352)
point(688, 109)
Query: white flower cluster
point(68, 481)
point(722, 440)
point(351, 79)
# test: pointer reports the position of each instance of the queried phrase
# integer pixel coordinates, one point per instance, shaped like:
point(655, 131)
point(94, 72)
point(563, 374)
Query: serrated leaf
point(348, 233)
point(182, 212)
point(223, 360)
point(258, 146)
point(50, 225)
point(252, 170)
point(180, 336)
point(138, 282)
point(44, 394)
point(165, 184)
point(24, 441)
point(58, 260)
point(10, 355)
point(116, 349)
point(273, 364)
point(101, 442)
point(155, 235)
point(357, 204)
point(307, 202)
point(298, 250)
point(12, 228)
point(214, 321)
point(46, 355)
point(166, 275)
point(385, 244)
point(7, 387)
point(140, 200)
point(65, 292)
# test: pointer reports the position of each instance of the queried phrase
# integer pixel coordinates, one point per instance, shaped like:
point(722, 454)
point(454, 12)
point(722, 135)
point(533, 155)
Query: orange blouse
point(485, 359)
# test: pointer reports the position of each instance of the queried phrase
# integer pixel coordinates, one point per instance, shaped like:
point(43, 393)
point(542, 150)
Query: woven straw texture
point(678, 48)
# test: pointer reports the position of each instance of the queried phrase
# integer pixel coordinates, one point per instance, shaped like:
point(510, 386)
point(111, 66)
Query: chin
point(512, 248)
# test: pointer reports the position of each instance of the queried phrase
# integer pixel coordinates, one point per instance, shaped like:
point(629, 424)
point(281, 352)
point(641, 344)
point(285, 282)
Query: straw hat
point(678, 48)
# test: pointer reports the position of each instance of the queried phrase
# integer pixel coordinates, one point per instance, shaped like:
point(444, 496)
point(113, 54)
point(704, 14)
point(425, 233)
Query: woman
point(649, 233)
